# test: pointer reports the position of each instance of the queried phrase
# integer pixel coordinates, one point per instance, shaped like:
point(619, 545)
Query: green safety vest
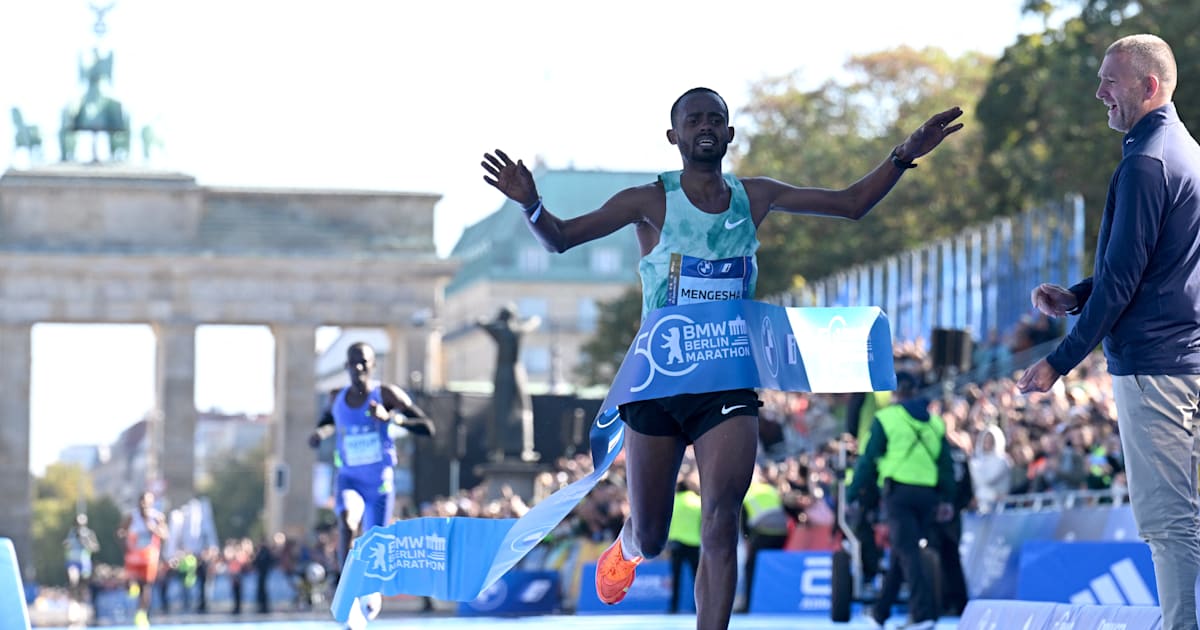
point(913, 447)
point(685, 519)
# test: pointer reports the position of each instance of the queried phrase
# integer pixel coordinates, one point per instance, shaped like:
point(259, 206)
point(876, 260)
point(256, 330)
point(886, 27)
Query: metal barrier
point(1043, 501)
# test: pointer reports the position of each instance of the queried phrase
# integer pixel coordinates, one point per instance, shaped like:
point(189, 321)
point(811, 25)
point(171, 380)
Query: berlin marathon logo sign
point(386, 554)
point(677, 344)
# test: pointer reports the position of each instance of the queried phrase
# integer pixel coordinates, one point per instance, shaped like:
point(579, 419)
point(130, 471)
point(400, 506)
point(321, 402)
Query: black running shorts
point(689, 415)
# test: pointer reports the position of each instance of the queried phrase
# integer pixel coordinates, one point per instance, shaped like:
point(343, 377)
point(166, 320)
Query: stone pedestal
point(517, 475)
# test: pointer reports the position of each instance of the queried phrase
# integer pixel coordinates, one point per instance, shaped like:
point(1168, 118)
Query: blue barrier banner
point(1090, 616)
point(1108, 573)
point(1120, 524)
point(649, 593)
point(517, 593)
point(988, 614)
point(975, 528)
point(984, 614)
point(792, 582)
point(680, 349)
point(996, 559)
point(12, 592)
point(1082, 523)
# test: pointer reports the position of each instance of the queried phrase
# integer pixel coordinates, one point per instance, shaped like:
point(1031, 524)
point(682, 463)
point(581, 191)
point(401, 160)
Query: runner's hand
point(510, 178)
point(930, 134)
point(378, 411)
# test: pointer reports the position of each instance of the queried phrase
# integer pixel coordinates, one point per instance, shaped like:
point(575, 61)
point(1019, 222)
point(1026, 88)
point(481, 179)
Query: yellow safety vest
point(685, 519)
point(913, 447)
point(872, 402)
point(761, 499)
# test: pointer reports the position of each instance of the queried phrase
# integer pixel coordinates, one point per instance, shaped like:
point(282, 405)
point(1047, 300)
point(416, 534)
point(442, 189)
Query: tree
point(237, 492)
point(55, 496)
point(104, 517)
point(1046, 135)
point(59, 494)
point(829, 136)
point(616, 327)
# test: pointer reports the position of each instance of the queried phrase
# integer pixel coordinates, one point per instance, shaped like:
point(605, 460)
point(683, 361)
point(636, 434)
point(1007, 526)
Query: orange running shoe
point(614, 574)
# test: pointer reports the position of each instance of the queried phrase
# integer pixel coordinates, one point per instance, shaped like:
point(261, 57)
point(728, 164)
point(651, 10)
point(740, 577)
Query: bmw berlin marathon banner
point(691, 348)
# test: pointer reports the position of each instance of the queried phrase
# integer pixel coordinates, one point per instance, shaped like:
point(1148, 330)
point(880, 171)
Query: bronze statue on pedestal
point(512, 405)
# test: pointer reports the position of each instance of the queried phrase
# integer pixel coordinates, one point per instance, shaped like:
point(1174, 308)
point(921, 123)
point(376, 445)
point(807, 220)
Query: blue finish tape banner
point(457, 558)
point(744, 344)
point(692, 348)
point(517, 593)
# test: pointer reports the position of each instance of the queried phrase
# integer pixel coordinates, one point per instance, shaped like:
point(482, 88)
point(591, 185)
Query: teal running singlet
point(700, 257)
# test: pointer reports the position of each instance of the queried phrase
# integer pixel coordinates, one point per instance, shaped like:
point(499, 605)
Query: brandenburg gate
point(104, 243)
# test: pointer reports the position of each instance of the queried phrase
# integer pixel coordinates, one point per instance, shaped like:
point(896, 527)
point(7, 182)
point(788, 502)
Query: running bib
point(693, 280)
point(362, 449)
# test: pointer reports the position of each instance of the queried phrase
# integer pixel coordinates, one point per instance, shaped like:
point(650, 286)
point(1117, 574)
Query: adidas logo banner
point(1108, 573)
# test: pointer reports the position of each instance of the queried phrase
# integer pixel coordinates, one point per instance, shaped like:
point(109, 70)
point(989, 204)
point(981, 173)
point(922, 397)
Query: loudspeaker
point(951, 348)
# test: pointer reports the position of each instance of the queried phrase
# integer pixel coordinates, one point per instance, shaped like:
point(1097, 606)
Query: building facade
point(502, 263)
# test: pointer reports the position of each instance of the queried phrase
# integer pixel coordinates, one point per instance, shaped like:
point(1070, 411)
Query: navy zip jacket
point(1143, 299)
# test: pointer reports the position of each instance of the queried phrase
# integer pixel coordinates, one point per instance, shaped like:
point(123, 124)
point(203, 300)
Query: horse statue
point(96, 112)
point(28, 137)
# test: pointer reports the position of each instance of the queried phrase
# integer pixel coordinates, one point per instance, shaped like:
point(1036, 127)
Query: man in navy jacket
point(1143, 302)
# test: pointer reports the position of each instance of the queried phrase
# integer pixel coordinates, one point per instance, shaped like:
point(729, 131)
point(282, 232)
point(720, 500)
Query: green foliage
point(1045, 134)
point(104, 516)
point(59, 494)
point(831, 136)
point(617, 326)
point(56, 495)
point(237, 493)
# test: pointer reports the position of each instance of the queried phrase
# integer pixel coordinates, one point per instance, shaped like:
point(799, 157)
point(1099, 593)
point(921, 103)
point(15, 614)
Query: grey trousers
point(1157, 417)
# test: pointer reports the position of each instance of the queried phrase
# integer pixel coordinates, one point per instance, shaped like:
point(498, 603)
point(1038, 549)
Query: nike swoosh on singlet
point(730, 226)
point(725, 410)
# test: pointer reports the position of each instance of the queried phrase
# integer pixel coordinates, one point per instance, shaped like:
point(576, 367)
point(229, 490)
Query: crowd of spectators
point(242, 576)
point(1061, 441)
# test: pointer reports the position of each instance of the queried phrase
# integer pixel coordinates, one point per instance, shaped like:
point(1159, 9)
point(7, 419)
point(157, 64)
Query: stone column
point(171, 442)
point(16, 483)
point(411, 357)
point(435, 369)
point(290, 461)
point(396, 366)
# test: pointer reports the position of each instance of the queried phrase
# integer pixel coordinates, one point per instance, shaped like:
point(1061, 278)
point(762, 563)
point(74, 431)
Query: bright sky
point(402, 96)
